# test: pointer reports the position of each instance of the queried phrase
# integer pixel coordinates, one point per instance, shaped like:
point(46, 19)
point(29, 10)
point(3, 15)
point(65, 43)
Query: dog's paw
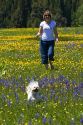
point(31, 99)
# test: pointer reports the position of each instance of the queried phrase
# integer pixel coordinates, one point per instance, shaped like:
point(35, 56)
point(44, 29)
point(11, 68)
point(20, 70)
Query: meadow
point(62, 87)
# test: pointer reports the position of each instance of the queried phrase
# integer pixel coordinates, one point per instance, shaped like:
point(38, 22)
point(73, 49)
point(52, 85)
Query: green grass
point(62, 88)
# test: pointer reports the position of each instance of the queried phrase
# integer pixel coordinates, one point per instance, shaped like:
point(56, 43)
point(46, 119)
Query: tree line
point(28, 13)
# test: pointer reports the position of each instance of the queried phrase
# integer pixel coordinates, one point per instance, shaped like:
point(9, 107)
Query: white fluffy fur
point(30, 90)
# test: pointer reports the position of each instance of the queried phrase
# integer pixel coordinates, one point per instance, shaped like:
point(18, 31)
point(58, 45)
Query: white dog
point(33, 91)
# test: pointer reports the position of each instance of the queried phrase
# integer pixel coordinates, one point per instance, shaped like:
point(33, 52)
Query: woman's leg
point(51, 54)
point(44, 53)
point(51, 64)
point(46, 66)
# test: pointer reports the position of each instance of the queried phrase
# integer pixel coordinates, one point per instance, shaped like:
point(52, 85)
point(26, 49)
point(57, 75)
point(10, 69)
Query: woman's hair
point(47, 12)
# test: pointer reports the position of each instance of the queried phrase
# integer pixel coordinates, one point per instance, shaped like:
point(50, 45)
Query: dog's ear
point(37, 84)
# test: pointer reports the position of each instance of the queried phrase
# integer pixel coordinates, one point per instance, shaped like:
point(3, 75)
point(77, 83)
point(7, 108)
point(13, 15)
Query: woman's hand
point(37, 35)
point(57, 40)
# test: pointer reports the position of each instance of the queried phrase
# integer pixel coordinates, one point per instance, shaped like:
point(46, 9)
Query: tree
point(79, 15)
point(28, 13)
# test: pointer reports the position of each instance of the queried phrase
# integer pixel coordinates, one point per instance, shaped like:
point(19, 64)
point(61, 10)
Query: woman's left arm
point(56, 33)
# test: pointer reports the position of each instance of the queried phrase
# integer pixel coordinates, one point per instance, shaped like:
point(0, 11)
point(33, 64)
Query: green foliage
point(79, 15)
point(77, 18)
point(20, 13)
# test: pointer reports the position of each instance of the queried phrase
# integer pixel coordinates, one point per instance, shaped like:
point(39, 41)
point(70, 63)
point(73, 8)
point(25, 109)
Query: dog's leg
point(30, 97)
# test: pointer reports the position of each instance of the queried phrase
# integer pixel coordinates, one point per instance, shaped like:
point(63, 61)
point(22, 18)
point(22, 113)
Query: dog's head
point(32, 87)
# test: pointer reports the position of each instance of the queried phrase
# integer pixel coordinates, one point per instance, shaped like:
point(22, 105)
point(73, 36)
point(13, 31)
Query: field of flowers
point(62, 87)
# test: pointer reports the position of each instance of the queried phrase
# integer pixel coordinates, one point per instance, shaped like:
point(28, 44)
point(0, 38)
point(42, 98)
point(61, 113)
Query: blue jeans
point(47, 51)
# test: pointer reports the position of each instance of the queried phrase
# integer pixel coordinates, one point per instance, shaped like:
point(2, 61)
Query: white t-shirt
point(48, 30)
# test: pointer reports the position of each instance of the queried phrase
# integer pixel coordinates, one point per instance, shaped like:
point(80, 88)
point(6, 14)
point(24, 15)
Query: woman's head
point(47, 15)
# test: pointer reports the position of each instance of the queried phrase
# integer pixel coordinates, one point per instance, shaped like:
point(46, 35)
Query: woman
point(47, 33)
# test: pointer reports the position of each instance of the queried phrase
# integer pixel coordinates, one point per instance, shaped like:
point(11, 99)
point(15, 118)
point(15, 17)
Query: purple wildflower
point(16, 96)
point(74, 82)
point(81, 121)
point(52, 93)
point(81, 85)
point(81, 45)
point(75, 93)
point(6, 83)
point(52, 81)
point(9, 103)
point(61, 78)
point(43, 82)
point(23, 88)
point(44, 120)
point(37, 115)
point(3, 97)
point(56, 98)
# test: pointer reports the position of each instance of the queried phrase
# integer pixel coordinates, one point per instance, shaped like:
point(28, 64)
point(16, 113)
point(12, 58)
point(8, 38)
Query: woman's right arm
point(40, 31)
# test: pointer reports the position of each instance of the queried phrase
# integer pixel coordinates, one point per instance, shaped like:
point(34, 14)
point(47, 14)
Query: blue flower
point(37, 115)
point(44, 120)
point(81, 120)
